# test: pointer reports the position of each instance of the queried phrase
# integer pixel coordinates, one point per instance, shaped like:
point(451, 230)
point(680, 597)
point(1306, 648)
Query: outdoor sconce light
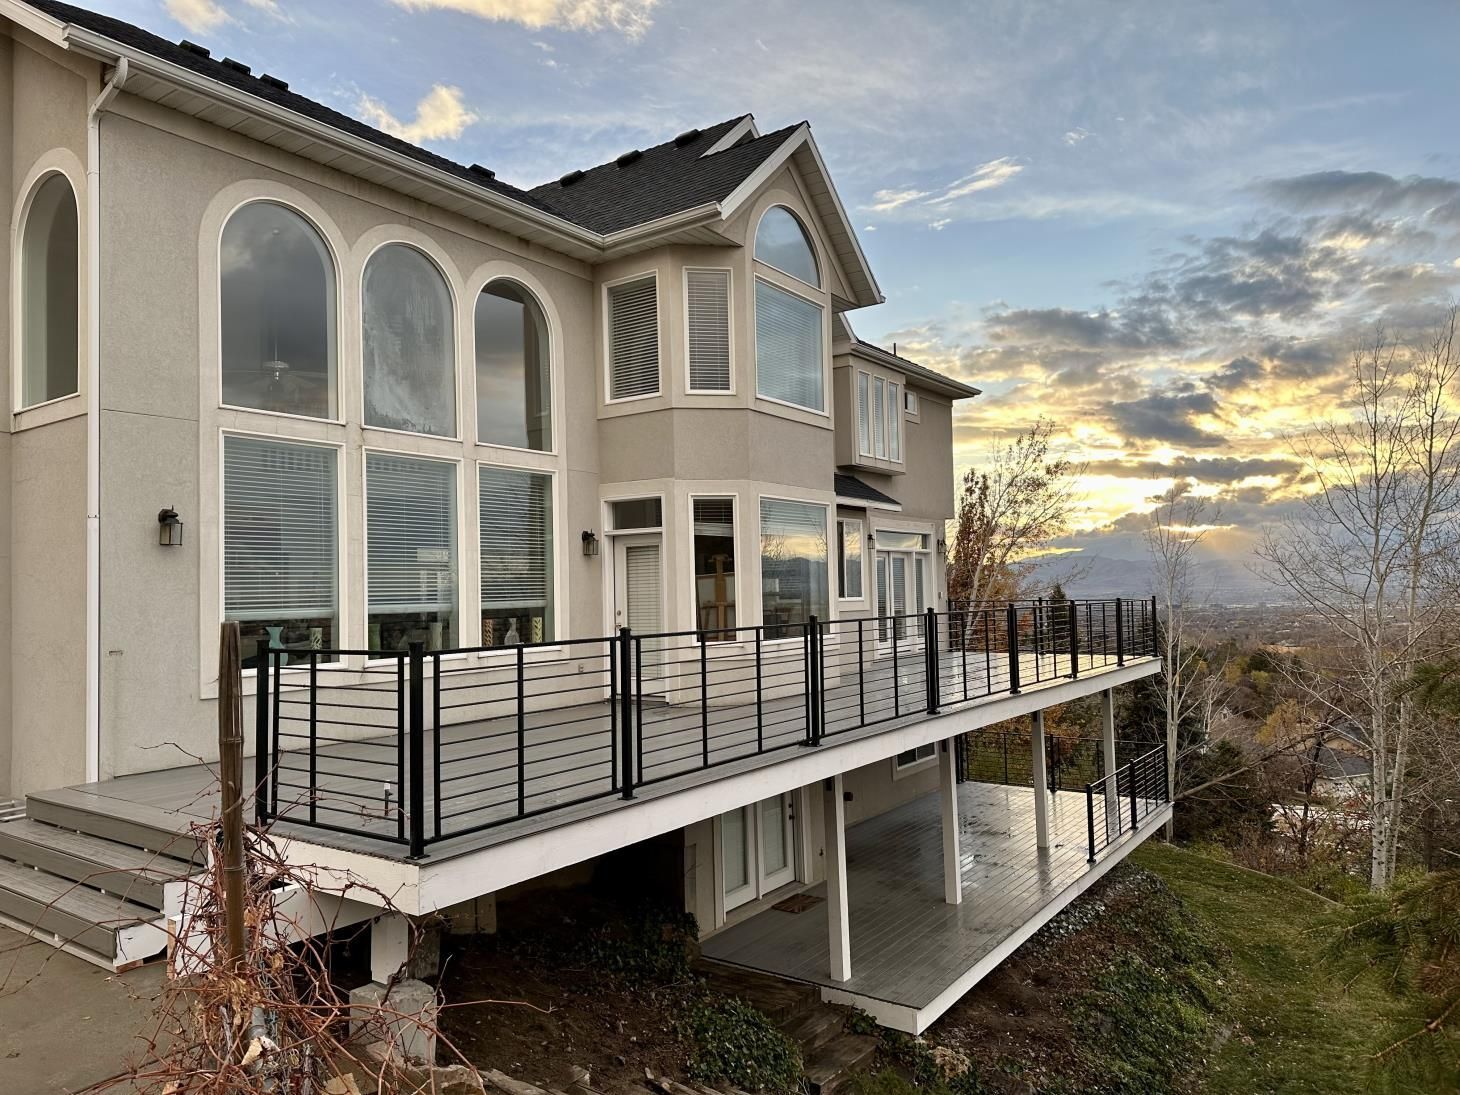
point(943, 548)
point(590, 543)
point(169, 528)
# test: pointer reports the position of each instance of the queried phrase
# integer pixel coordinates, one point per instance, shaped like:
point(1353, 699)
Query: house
point(556, 521)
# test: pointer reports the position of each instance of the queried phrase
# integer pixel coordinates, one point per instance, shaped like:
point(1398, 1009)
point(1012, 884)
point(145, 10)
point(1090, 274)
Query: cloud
point(1166, 418)
point(1076, 135)
point(198, 16)
point(885, 201)
point(630, 18)
point(1204, 469)
point(441, 115)
point(986, 176)
point(1369, 189)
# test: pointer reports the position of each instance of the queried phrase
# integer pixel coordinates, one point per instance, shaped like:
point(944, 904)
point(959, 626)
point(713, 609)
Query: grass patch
point(1295, 1028)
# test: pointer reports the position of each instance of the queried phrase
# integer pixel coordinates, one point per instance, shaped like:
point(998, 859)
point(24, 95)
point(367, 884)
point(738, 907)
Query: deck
point(913, 954)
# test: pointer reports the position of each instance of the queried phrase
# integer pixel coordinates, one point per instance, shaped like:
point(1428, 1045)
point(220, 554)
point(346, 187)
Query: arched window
point(278, 313)
point(410, 381)
point(780, 241)
point(514, 386)
point(49, 300)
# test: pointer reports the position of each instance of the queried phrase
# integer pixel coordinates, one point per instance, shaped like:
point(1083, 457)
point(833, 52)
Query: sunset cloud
point(631, 18)
point(441, 115)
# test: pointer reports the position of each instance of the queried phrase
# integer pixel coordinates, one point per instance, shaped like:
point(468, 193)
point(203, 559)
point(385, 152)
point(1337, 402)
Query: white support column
point(838, 923)
point(948, 798)
point(1041, 783)
point(1107, 723)
point(390, 946)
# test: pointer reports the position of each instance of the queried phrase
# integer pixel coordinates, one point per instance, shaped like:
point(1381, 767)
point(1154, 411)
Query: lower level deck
point(913, 954)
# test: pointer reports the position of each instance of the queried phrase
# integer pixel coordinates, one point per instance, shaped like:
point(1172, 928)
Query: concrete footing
point(404, 1019)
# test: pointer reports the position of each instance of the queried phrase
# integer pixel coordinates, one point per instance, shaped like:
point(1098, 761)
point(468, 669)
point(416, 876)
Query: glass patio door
point(901, 592)
point(757, 849)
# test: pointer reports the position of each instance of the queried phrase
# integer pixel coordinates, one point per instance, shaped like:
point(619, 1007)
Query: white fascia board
point(841, 212)
point(709, 213)
point(741, 129)
point(105, 48)
point(862, 503)
point(45, 26)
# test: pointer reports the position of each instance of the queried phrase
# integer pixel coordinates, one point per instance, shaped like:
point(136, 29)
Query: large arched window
point(410, 376)
point(780, 241)
point(278, 313)
point(49, 300)
point(514, 386)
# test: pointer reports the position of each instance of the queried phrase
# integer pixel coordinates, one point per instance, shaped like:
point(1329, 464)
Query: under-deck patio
point(913, 954)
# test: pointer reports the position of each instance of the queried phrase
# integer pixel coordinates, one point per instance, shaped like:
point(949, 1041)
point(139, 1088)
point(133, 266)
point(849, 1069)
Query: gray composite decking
point(908, 945)
point(570, 753)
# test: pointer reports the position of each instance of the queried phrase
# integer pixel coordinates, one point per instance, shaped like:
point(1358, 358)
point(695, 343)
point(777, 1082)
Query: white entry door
point(901, 592)
point(638, 593)
point(757, 849)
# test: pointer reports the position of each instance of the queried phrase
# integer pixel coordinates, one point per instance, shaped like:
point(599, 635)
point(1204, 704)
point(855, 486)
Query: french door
point(638, 595)
point(757, 849)
point(901, 591)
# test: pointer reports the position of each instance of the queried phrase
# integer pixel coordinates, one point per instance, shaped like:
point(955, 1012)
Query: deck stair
point(87, 883)
point(830, 1054)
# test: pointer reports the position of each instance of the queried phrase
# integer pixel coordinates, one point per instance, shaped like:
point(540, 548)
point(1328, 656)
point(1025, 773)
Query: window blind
point(280, 539)
point(714, 517)
point(788, 348)
point(864, 415)
point(894, 421)
point(708, 294)
point(879, 418)
point(410, 533)
point(516, 534)
point(633, 339)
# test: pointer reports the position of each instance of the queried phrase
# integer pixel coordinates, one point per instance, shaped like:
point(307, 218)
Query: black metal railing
point(1120, 800)
point(993, 755)
point(416, 746)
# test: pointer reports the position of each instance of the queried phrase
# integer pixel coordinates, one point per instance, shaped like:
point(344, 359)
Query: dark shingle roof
point(668, 178)
point(849, 486)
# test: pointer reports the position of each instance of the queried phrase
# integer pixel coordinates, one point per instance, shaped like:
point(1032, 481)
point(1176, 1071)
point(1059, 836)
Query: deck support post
point(838, 923)
point(390, 946)
point(1041, 782)
point(948, 799)
point(1107, 725)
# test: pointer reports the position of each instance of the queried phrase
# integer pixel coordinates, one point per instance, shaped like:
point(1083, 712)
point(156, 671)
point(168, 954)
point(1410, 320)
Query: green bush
point(733, 1042)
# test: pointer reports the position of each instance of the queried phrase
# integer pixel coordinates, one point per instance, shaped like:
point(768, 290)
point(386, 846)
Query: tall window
point(49, 301)
point(714, 553)
point(879, 417)
point(864, 414)
point(410, 551)
point(277, 290)
point(793, 565)
point(410, 375)
point(780, 241)
point(788, 357)
point(708, 305)
point(894, 422)
point(516, 537)
point(280, 545)
point(633, 338)
point(514, 392)
point(849, 559)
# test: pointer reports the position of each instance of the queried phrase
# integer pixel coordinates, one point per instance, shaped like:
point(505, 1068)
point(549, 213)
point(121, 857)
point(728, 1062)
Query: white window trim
point(461, 554)
point(560, 562)
point(862, 532)
point(729, 271)
point(428, 251)
point(915, 414)
point(40, 173)
point(889, 417)
point(831, 601)
point(810, 246)
point(556, 401)
point(913, 767)
point(342, 538)
point(606, 336)
point(693, 602)
point(825, 346)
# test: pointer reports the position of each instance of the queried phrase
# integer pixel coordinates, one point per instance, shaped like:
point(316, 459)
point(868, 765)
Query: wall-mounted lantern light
point(169, 528)
point(943, 548)
point(590, 543)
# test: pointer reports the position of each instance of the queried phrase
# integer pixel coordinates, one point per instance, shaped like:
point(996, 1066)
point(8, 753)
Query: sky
point(1162, 225)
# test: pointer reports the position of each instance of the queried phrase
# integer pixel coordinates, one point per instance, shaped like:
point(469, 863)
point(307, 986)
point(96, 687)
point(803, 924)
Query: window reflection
point(410, 381)
point(513, 382)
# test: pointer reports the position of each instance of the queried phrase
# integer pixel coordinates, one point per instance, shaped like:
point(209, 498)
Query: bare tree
point(1369, 553)
point(1022, 499)
point(1176, 528)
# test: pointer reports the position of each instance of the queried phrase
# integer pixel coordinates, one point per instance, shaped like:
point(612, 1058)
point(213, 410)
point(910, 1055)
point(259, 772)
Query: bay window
point(633, 338)
point(714, 563)
point(410, 551)
point(515, 535)
point(879, 417)
point(788, 348)
point(793, 565)
point(707, 307)
point(280, 545)
point(409, 345)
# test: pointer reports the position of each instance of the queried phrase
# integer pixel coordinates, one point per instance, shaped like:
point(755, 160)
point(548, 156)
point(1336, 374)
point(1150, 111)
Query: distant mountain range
point(1217, 580)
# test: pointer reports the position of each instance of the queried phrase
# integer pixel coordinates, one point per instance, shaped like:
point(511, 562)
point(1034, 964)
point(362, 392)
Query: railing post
point(418, 749)
point(626, 709)
point(813, 682)
point(313, 735)
point(1155, 641)
point(1074, 640)
point(436, 745)
point(1134, 817)
point(759, 706)
point(521, 730)
point(861, 676)
point(261, 759)
point(1119, 634)
point(1090, 817)
point(930, 648)
point(1012, 623)
point(704, 702)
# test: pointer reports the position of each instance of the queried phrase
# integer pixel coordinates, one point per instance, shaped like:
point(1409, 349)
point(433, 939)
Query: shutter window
point(516, 535)
point(788, 357)
point(633, 339)
point(879, 418)
point(864, 415)
point(894, 422)
point(410, 506)
point(708, 307)
point(280, 542)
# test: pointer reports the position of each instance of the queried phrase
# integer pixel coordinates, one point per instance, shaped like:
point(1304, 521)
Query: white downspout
point(93, 417)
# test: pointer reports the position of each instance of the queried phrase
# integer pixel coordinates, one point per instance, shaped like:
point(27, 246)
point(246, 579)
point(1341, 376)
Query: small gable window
point(780, 241)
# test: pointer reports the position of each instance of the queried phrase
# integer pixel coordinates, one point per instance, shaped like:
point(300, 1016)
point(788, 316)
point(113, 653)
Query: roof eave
point(925, 377)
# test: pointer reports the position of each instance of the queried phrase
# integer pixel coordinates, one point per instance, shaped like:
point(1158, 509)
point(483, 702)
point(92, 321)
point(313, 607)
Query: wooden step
point(120, 869)
point(113, 819)
point(779, 1000)
point(116, 931)
point(815, 1027)
point(832, 1064)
